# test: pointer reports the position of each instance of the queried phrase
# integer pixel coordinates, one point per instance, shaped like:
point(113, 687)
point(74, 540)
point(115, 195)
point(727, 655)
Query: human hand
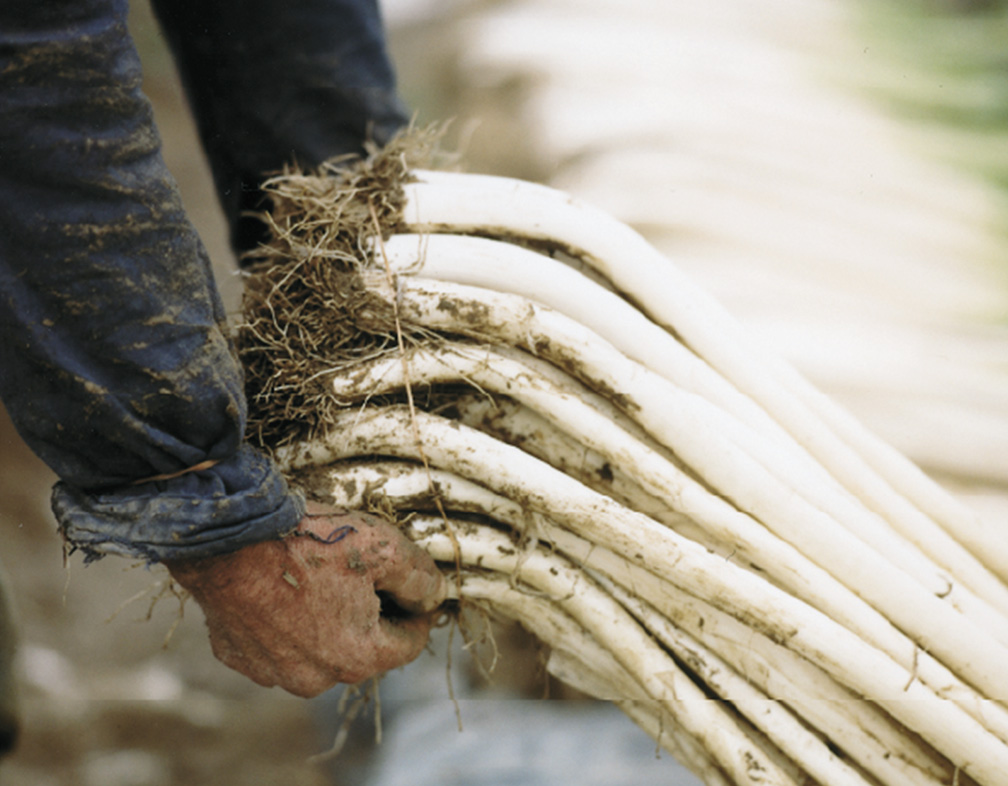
point(345, 598)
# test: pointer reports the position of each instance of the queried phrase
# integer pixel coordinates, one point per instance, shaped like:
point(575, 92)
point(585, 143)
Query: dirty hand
point(345, 598)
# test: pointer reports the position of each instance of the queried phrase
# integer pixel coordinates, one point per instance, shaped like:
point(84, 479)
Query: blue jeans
point(116, 362)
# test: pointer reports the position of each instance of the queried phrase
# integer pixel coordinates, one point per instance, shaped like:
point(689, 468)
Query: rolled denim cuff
point(235, 503)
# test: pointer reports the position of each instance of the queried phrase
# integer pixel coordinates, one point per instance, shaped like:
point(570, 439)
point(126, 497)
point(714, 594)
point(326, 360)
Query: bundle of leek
point(591, 446)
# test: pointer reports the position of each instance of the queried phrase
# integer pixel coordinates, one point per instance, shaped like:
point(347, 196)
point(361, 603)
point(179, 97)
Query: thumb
point(414, 582)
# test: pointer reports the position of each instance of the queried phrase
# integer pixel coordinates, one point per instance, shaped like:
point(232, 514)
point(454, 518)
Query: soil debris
point(305, 314)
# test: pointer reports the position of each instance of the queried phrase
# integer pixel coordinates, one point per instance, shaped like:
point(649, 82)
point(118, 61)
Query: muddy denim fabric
point(275, 83)
point(9, 700)
point(115, 360)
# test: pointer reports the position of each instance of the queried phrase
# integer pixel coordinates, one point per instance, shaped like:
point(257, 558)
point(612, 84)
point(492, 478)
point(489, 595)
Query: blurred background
point(833, 170)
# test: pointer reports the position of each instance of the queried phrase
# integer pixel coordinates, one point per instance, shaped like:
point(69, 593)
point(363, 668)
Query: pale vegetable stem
point(671, 509)
point(857, 727)
point(695, 430)
point(750, 599)
point(508, 208)
point(614, 629)
point(938, 627)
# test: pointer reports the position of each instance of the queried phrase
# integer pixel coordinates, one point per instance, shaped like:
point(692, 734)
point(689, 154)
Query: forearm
point(116, 363)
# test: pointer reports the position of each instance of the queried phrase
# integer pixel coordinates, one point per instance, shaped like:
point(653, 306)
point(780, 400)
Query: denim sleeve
point(275, 83)
point(115, 360)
